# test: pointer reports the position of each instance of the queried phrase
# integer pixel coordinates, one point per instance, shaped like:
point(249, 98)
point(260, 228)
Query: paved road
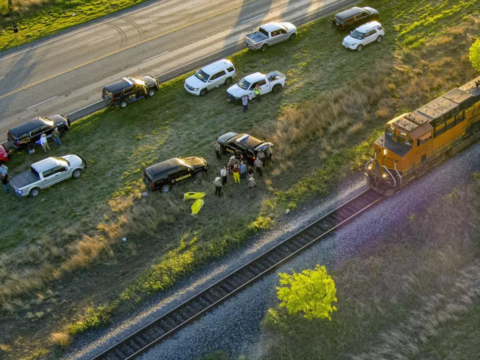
point(66, 73)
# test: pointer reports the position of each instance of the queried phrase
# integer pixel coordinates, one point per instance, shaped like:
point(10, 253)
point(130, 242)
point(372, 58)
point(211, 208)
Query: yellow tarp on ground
point(197, 206)
point(193, 195)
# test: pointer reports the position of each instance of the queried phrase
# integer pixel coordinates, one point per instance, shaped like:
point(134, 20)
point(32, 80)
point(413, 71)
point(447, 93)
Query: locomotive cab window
point(404, 139)
point(389, 133)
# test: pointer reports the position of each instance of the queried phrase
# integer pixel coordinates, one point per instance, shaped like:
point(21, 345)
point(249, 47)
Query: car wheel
point(199, 175)
point(34, 192)
point(276, 89)
point(30, 146)
point(379, 38)
point(151, 92)
point(77, 173)
point(264, 47)
point(292, 37)
point(203, 92)
point(228, 81)
point(123, 104)
point(62, 132)
point(165, 188)
point(359, 47)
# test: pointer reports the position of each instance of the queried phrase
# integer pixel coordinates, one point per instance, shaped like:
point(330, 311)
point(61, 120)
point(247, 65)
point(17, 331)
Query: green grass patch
point(39, 18)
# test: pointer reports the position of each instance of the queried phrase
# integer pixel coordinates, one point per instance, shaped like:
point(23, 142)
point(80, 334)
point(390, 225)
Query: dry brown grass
point(60, 339)
point(31, 267)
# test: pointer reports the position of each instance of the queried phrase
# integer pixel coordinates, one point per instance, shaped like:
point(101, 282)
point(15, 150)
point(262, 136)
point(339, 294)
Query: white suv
point(364, 35)
point(210, 77)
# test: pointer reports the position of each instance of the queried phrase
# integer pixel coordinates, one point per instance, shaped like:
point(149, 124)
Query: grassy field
point(318, 136)
point(40, 18)
point(417, 297)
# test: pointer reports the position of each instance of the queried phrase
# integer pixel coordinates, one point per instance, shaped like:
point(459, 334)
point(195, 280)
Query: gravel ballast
point(235, 325)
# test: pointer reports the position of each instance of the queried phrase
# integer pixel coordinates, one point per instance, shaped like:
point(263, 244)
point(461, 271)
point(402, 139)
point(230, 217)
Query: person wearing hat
point(56, 137)
point(218, 186)
point(251, 186)
point(44, 142)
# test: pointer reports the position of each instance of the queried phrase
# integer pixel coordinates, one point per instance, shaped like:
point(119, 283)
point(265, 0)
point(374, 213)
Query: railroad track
point(155, 332)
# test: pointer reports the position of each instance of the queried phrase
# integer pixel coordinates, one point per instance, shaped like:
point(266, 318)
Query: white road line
point(40, 103)
point(153, 57)
point(108, 37)
point(256, 17)
point(79, 31)
point(83, 108)
point(203, 2)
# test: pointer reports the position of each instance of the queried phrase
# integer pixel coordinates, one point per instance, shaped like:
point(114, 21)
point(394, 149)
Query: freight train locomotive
point(417, 141)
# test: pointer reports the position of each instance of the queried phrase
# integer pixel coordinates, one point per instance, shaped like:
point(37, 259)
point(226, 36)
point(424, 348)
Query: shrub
point(475, 54)
point(311, 292)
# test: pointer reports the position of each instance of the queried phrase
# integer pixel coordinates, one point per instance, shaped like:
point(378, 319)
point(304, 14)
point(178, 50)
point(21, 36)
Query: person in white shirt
point(44, 142)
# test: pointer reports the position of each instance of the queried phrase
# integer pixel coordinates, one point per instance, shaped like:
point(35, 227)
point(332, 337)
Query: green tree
point(311, 292)
point(475, 54)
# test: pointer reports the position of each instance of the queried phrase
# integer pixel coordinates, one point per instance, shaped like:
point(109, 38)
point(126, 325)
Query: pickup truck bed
point(24, 179)
point(257, 36)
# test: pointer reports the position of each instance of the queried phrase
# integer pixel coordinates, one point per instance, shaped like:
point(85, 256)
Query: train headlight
point(370, 167)
point(384, 175)
point(385, 152)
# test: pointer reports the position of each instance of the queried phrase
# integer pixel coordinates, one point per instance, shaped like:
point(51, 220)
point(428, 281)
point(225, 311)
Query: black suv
point(356, 16)
point(167, 173)
point(129, 89)
point(244, 144)
point(27, 134)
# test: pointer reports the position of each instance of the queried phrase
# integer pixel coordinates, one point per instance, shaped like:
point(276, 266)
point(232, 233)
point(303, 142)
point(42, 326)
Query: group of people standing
point(44, 141)
point(237, 169)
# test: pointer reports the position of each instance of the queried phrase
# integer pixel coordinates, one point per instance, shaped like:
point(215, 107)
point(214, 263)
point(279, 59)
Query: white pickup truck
point(46, 173)
point(273, 82)
point(270, 34)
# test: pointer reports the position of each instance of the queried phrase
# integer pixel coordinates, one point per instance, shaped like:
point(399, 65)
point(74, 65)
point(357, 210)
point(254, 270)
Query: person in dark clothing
point(56, 137)
point(258, 166)
point(250, 171)
point(218, 186)
point(5, 183)
point(15, 29)
point(217, 150)
point(245, 103)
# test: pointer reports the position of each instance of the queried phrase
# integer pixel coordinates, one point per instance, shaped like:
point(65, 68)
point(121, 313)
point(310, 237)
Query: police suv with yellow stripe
point(163, 175)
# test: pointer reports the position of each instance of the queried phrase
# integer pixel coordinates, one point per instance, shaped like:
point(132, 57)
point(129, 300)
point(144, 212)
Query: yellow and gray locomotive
point(417, 141)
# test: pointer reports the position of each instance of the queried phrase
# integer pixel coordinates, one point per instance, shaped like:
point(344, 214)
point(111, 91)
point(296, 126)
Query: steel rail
point(167, 324)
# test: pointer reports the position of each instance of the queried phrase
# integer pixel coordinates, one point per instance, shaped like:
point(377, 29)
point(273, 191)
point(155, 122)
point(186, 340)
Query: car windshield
point(202, 75)
point(244, 84)
point(357, 35)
